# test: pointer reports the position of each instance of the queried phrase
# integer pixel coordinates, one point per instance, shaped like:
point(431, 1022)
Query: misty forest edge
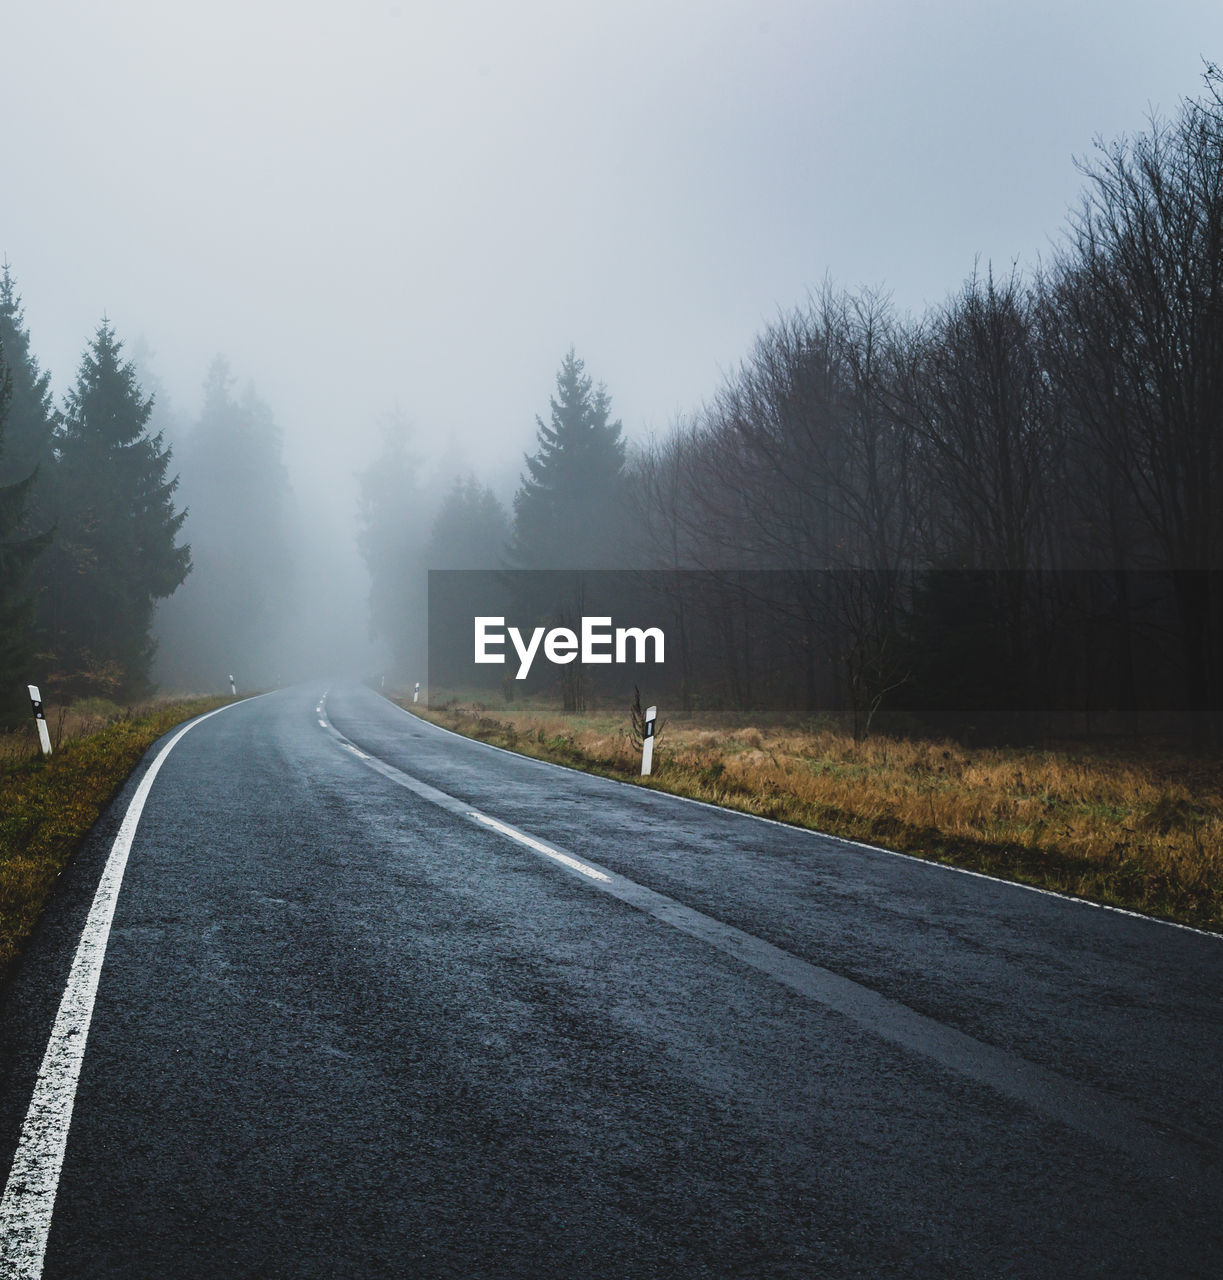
point(1009, 504)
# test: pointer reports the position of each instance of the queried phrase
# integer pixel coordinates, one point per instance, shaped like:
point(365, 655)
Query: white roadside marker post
point(44, 738)
point(647, 740)
point(233, 688)
point(416, 692)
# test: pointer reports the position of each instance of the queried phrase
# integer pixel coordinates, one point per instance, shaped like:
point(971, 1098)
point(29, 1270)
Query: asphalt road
point(378, 1001)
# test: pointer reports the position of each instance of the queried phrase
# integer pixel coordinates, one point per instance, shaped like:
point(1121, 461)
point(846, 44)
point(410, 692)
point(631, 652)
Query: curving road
point(379, 1001)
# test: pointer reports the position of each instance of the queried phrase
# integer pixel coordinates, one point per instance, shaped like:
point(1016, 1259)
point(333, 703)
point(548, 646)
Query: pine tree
point(116, 528)
point(393, 527)
point(567, 509)
point(29, 445)
point(17, 555)
point(233, 613)
point(471, 529)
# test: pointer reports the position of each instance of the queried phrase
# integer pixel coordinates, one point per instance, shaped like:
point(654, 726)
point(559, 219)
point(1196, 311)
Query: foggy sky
point(378, 204)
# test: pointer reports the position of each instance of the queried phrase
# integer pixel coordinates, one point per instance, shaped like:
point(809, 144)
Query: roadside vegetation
point(1140, 828)
point(48, 804)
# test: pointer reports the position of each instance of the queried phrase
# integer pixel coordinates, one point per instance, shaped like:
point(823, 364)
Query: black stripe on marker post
point(647, 740)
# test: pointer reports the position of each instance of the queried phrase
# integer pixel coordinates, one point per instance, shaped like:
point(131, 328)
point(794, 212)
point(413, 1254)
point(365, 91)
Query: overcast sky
point(370, 204)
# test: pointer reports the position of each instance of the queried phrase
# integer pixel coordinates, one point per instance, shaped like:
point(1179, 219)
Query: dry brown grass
point(1141, 829)
point(67, 723)
point(47, 805)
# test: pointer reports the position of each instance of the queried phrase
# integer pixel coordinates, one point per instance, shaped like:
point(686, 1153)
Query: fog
point(409, 213)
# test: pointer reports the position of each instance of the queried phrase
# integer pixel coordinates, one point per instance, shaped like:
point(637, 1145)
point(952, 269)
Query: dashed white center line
point(1109, 1120)
point(538, 845)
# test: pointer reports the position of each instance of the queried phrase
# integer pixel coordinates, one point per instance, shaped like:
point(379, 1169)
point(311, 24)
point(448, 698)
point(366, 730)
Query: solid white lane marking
point(29, 1196)
point(538, 845)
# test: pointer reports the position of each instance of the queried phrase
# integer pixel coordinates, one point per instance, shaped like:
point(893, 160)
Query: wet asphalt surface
point(343, 1032)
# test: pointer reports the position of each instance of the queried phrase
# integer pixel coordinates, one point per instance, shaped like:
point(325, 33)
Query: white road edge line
point(29, 1195)
point(812, 831)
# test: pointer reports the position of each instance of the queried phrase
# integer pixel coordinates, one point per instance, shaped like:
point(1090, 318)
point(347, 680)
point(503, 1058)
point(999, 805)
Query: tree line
point(1004, 510)
point(568, 512)
point(94, 532)
point(89, 532)
point(1011, 499)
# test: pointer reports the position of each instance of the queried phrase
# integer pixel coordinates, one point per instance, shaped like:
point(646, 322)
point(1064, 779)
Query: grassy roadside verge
point(47, 806)
point(1135, 828)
